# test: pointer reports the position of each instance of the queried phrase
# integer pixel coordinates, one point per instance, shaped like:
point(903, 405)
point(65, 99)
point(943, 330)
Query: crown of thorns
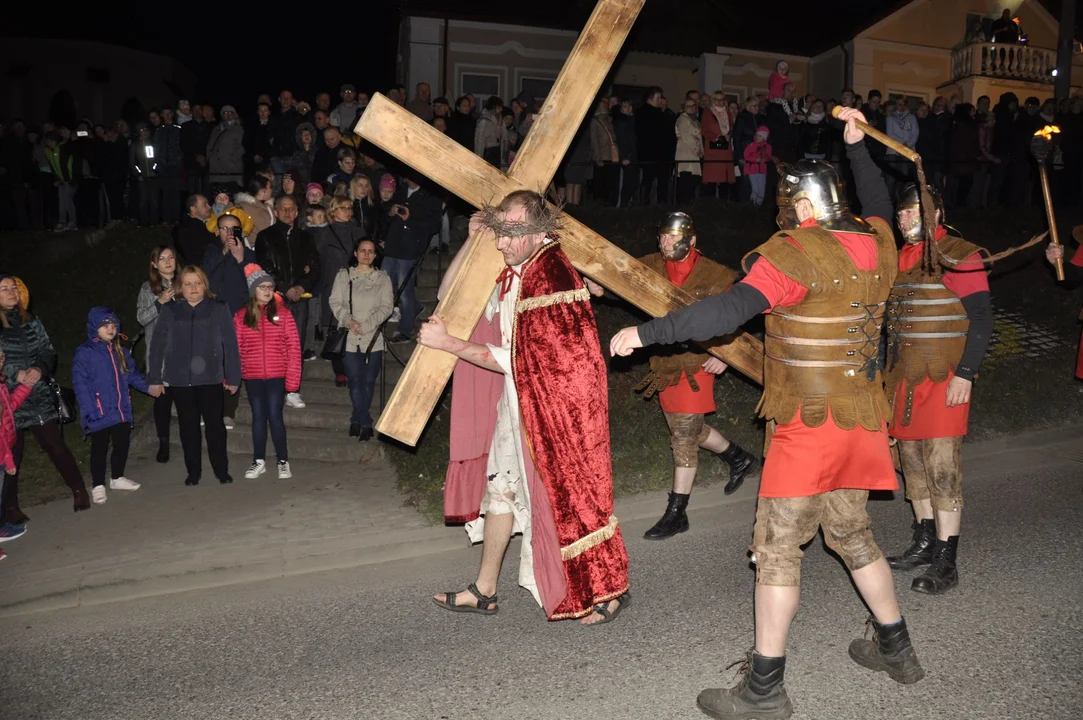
point(547, 222)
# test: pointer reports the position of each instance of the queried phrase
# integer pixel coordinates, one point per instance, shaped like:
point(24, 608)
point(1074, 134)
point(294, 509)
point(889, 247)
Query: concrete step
point(314, 416)
point(304, 444)
point(324, 392)
point(322, 371)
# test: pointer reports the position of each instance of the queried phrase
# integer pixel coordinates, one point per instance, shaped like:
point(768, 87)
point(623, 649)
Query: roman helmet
point(819, 183)
point(910, 199)
point(678, 223)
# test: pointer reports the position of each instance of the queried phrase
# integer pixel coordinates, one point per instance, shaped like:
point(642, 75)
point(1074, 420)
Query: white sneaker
point(228, 422)
point(257, 468)
point(396, 315)
point(284, 472)
point(294, 401)
point(123, 483)
point(98, 494)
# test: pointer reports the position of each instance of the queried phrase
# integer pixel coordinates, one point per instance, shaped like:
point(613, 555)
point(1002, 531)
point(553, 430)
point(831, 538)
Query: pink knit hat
point(313, 186)
point(387, 182)
point(763, 129)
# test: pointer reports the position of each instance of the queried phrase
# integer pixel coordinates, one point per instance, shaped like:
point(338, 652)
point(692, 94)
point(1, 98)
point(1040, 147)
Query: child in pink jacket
point(757, 155)
point(777, 82)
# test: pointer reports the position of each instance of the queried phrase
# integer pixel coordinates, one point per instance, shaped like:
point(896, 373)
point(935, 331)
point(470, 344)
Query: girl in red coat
point(9, 403)
point(270, 367)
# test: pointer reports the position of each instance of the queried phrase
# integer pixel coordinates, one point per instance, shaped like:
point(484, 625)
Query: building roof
point(689, 27)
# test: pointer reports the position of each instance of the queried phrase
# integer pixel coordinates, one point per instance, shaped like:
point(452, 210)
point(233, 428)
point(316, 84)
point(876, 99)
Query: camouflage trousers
point(688, 433)
point(933, 470)
point(783, 525)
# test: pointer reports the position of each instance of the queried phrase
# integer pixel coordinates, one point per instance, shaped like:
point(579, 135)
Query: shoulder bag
point(334, 347)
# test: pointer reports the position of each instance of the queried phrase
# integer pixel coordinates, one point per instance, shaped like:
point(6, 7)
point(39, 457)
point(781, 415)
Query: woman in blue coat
point(102, 372)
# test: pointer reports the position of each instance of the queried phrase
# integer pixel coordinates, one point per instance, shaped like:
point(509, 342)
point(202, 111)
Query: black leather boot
point(941, 575)
point(163, 450)
point(673, 521)
point(741, 463)
point(889, 651)
point(760, 694)
point(920, 551)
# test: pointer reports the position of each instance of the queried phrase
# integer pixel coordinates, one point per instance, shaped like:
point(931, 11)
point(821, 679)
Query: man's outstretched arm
point(709, 318)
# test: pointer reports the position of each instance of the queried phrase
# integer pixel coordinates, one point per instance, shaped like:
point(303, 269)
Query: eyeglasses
point(266, 287)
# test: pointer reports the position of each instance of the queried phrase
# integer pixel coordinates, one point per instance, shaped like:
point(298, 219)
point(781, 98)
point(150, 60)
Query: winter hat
point(229, 108)
point(387, 182)
point(313, 186)
point(763, 129)
point(256, 276)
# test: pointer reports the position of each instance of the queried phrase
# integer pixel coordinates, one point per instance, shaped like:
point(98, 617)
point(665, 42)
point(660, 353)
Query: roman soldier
point(824, 283)
point(940, 320)
point(683, 376)
point(1073, 278)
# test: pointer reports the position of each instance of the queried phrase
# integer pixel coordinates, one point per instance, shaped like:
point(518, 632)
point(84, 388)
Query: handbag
point(334, 347)
point(64, 401)
point(719, 143)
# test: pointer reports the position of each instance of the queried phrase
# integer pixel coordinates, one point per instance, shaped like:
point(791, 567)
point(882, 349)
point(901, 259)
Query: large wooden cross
point(441, 159)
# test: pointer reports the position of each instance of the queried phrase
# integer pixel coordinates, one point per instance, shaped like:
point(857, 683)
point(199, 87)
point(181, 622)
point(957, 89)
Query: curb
point(1025, 451)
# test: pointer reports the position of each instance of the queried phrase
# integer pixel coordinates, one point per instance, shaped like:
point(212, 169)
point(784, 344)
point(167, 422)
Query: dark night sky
point(239, 50)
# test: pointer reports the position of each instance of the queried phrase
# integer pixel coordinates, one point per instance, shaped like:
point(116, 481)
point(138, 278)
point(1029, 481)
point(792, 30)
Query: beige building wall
point(827, 74)
point(746, 72)
point(676, 75)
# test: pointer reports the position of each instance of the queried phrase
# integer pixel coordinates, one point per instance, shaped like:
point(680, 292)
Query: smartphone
point(82, 133)
point(236, 232)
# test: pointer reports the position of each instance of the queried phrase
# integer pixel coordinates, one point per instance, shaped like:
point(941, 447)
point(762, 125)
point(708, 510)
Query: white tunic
point(507, 468)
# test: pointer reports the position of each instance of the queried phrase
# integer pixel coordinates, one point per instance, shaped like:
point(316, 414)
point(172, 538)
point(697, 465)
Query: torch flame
point(1048, 131)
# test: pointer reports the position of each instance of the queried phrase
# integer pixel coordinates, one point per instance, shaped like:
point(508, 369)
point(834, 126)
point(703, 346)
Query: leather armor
point(822, 354)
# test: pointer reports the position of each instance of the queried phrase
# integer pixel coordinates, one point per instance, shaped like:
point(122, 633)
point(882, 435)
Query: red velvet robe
point(560, 375)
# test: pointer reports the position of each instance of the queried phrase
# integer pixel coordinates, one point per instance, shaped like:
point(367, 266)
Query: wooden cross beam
point(433, 154)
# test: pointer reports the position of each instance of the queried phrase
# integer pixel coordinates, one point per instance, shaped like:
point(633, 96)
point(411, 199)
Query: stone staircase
point(319, 432)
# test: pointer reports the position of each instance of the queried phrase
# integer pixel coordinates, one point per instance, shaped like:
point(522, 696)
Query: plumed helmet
point(819, 183)
point(678, 223)
point(910, 199)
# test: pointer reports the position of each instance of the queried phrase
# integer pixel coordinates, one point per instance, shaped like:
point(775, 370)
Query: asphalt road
point(368, 643)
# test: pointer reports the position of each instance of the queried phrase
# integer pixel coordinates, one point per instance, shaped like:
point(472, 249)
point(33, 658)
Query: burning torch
point(1040, 146)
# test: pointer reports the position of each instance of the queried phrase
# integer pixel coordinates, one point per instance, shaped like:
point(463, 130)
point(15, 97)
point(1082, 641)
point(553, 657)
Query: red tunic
point(802, 460)
point(1077, 260)
point(931, 417)
point(681, 398)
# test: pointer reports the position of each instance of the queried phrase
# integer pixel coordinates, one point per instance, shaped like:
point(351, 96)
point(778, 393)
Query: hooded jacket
point(100, 383)
point(302, 159)
point(9, 403)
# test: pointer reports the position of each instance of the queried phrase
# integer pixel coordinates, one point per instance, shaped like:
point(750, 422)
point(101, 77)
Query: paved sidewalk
point(169, 538)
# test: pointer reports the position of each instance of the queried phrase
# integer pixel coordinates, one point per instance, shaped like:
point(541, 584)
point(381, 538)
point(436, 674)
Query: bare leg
point(716, 443)
point(923, 509)
point(776, 607)
point(876, 586)
point(682, 480)
point(494, 544)
point(948, 523)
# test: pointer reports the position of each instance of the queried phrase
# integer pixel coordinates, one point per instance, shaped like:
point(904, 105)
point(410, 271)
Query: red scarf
point(506, 278)
point(677, 271)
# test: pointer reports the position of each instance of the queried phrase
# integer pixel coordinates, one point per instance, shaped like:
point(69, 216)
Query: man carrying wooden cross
point(825, 281)
point(549, 468)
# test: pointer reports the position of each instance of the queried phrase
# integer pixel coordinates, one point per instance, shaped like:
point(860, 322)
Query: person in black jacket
point(195, 352)
point(284, 132)
point(653, 146)
point(415, 218)
point(744, 134)
point(27, 358)
point(258, 140)
point(462, 125)
point(224, 263)
point(289, 255)
point(194, 137)
point(624, 127)
point(191, 236)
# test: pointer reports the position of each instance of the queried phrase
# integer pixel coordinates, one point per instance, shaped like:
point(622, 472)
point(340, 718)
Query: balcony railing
point(1000, 60)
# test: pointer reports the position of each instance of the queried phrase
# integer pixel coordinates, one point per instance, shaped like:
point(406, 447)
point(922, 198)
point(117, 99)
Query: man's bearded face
point(675, 247)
